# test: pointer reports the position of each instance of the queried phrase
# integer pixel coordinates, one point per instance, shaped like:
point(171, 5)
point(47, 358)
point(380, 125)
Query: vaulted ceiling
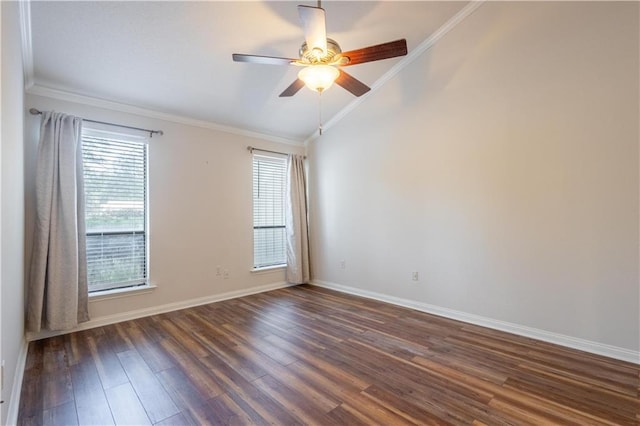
point(175, 57)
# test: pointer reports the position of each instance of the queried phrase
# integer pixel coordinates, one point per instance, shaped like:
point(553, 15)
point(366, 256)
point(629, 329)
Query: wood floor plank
point(309, 355)
point(244, 365)
point(222, 411)
point(212, 330)
point(151, 327)
point(152, 395)
point(180, 419)
point(569, 394)
point(106, 361)
point(64, 414)
point(569, 414)
point(298, 339)
point(236, 386)
point(57, 388)
point(341, 416)
point(413, 412)
point(91, 403)
point(55, 356)
point(294, 381)
point(182, 334)
point(117, 335)
point(125, 406)
point(257, 344)
point(183, 393)
point(240, 415)
point(31, 400)
point(450, 401)
point(199, 375)
point(34, 364)
point(150, 350)
point(581, 382)
point(616, 381)
point(296, 403)
point(372, 413)
point(77, 349)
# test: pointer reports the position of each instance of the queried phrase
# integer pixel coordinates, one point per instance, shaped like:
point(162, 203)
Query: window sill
point(118, 293)
point(268, 269)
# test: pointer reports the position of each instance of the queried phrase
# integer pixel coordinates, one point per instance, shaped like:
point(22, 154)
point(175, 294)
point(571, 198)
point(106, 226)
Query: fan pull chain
point(320, 112)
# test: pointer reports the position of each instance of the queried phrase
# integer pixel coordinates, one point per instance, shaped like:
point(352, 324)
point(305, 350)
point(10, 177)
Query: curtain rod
point(151, 132)
point(251, 149)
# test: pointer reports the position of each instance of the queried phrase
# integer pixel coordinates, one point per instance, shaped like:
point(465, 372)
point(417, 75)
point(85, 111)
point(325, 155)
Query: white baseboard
point(16, 389)
point(546, 336)
point(139, 313)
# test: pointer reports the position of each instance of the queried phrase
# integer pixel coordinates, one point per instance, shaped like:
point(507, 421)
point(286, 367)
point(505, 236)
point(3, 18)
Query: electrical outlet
point(225, 274)
point(343, 264)
point(414, 276)
point(218, 270)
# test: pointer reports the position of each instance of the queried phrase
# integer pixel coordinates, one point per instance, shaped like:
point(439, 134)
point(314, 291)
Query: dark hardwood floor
point(306, 355)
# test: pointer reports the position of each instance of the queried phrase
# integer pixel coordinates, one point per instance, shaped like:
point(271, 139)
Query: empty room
point(324, 213)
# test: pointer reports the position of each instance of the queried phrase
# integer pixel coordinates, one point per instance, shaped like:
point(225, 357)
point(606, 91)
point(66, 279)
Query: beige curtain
point(57, 291)
point(296, 222)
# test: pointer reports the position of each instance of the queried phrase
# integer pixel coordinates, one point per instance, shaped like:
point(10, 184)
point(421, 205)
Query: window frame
point(97, 130)
point(275, 266)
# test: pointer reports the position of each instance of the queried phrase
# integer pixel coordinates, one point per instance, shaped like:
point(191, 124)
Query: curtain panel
point(57, 293)
point(296, 222)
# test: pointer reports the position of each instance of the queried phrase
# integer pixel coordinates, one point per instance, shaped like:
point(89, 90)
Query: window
point(115, 183)
point(269, 239)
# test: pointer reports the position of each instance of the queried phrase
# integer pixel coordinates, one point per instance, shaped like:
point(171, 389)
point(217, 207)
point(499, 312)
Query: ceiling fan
point(322, 58)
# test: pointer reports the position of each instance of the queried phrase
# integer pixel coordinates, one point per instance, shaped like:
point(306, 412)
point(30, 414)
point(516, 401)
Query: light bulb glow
point(318, 77)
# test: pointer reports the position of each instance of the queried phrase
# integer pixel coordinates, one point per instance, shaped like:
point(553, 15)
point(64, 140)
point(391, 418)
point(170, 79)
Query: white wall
point(12, 202)
point(200, 203)
point(502, 165)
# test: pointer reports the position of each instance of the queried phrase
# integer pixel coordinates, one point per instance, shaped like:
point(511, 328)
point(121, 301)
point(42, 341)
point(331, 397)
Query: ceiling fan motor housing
point(315, 56)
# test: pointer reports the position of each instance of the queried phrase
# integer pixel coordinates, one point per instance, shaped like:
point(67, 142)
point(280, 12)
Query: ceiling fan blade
point(376, 53)
point(267, 60)
point(315, 30)
point(352, 84)
point(292, 89)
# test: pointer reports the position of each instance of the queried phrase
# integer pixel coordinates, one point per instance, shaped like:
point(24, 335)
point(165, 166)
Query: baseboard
point(546, 336)
point(16, 389)
point(154, 310)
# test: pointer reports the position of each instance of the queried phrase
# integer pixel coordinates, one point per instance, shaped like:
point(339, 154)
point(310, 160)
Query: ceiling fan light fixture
point(318, 77)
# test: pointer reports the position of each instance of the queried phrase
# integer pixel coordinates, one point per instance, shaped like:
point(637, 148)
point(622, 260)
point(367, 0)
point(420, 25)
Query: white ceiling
point(175, 57)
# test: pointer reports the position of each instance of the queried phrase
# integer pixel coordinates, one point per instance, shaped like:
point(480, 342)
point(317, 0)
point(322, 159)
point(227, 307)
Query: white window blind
point(269, 180)
point(115, 181)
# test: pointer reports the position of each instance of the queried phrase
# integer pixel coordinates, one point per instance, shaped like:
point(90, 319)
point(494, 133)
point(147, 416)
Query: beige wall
point(200, 208)
point(12, 203)
point(502, 165)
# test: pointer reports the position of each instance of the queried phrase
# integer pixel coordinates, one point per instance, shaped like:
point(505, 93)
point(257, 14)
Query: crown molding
point(56, 93)
point(27, 46)
point(412, 56)
point(64, 95)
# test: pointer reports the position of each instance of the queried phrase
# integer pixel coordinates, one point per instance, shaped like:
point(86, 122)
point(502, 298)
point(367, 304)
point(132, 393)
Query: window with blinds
point(269, 239)
point(115, 183)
